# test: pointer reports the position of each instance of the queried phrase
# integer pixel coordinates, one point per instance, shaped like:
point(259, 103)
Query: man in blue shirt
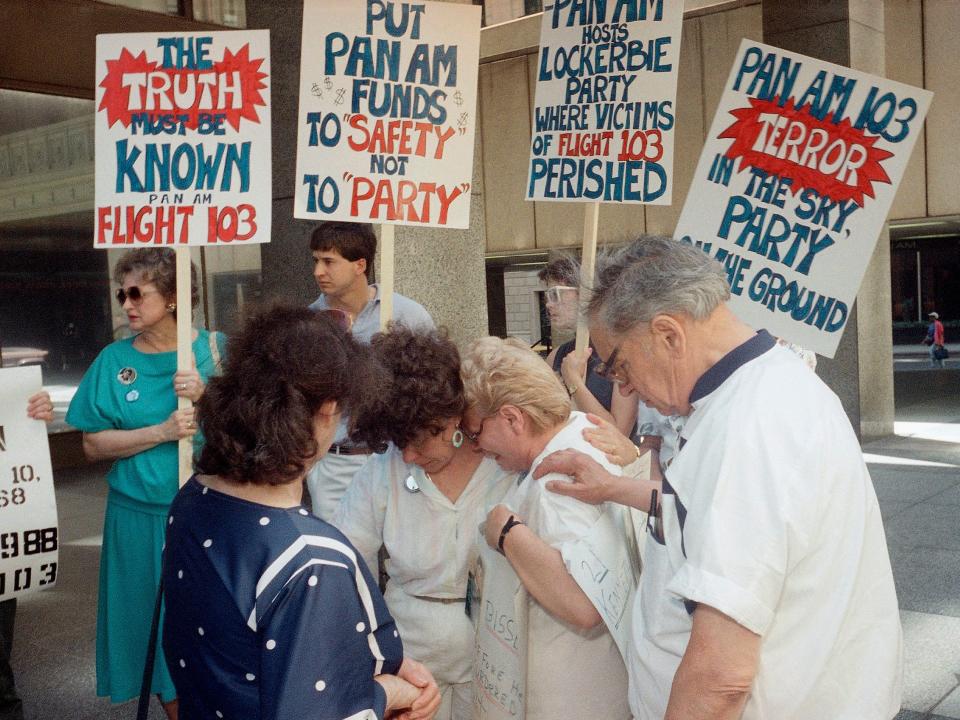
point(343, 255)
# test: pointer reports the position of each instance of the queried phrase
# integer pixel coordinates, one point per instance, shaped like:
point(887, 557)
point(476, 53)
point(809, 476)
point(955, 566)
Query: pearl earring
point(171, 307)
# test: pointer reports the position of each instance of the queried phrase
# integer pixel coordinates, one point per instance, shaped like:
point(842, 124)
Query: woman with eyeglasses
point(519, 413)
point(126, 408)
point(422, 501)
point(590, 391)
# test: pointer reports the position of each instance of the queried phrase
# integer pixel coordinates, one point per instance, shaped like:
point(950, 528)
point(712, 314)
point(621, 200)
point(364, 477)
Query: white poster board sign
point(605, 565)
point(28, 506)
point(500, 665)
point(604, 117)
point(388, 95)
point(183, 139)
point(795, 181)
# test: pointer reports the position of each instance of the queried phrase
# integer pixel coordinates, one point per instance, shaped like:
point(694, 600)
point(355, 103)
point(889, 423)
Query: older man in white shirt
point(767, 592)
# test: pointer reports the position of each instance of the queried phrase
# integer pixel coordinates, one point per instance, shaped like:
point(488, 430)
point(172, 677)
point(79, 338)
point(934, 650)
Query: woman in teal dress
point(126, 407)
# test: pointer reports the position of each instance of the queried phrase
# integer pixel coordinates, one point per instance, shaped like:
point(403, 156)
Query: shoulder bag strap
point(143, 706)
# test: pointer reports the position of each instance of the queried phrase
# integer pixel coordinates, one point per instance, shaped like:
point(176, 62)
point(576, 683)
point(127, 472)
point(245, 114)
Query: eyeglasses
point(474, 437)
point(341, 318)
point(608, 369)
point(553, 295)
point(135, 294)
point(655, 519)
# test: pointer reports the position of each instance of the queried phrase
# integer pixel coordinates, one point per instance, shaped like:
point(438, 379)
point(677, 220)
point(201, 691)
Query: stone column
point(442, 269)
point(851, 33)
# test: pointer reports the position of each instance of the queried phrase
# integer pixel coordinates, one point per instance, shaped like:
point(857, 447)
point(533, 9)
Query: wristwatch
point(511, 523)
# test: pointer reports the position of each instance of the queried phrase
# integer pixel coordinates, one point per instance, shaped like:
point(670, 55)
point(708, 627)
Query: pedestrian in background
point(934, 339)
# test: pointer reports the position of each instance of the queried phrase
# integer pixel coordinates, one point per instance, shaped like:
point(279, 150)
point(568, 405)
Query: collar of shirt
point(367, 322)
point(730, 363)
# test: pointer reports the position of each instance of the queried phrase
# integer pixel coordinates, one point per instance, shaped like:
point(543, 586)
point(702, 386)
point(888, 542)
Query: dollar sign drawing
point(340, 93)
point(315, 89)
point(458, 98)
point(328, 83)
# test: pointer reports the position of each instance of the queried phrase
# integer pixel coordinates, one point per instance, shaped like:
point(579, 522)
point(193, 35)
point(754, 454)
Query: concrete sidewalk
point(916, 474)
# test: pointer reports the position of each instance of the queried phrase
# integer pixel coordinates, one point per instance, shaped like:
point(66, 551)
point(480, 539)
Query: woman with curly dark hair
point(423, 501)
point(270, 613)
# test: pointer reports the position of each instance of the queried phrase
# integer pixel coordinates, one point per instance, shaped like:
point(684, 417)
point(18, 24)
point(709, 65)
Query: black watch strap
point(511, 523)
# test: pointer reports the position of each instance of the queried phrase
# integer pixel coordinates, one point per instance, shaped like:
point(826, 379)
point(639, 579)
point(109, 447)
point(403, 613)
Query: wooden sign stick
point(385, 277)
point(184, 352)
point(587, 264)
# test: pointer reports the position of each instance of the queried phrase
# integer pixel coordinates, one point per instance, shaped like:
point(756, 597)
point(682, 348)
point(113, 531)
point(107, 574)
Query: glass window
point(232, 13)
point(168, 7)
point(54, 302)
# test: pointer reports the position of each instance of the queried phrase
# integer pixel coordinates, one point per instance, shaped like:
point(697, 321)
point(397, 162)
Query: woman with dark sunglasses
point(126, 407)
point(422, 501)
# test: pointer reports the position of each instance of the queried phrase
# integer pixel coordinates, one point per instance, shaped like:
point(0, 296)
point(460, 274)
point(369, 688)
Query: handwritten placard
point(605, 564)
point(796, 178)
point(28, 507)
point(604, 116)
point(388, 92)
point(500, 665)
point(183, 139)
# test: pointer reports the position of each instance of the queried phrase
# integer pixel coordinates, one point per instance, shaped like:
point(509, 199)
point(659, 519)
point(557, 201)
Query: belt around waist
point(444, 601)
point(343, 449)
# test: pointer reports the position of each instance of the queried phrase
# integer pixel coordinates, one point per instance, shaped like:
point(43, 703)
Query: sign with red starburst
point(796, 178)
point(183, 139)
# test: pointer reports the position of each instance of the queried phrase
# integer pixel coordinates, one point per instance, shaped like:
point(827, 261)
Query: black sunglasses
point(134, 293)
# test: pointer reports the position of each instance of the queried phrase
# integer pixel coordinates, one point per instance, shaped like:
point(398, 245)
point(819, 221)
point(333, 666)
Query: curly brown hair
point(426, 389)
point(257, 418)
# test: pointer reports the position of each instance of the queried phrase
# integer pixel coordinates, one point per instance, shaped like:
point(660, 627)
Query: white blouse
point(429, 539)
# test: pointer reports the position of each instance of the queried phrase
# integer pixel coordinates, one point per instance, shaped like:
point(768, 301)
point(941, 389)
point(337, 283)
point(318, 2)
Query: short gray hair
point(655, 275)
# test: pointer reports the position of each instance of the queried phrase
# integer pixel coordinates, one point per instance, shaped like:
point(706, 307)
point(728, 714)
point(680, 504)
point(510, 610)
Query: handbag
point(940, 352)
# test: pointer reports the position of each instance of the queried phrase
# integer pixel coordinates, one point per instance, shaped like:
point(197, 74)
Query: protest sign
point(183, 151)
point(183, 139)
point(28, 506)
point(794, 184)
point(603, 567)
point(604, 114)
point(500, 665)
point(388, 92)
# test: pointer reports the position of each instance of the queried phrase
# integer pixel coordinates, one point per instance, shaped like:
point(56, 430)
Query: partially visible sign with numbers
point(28, 507)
